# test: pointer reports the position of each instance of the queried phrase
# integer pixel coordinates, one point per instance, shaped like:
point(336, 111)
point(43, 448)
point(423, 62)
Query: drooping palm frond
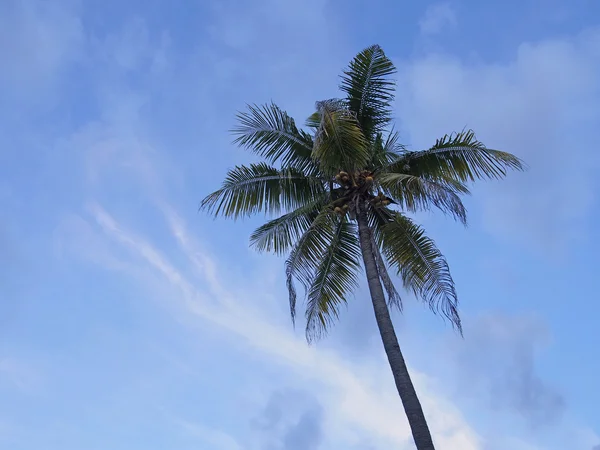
point(339, 142)
point(334, 278)
point(306, 254)
point(457, 156)
point(414, 193)
point(280, 234)
point(272, 134)
point(369, 90)
point(421, 266)
point(259, 187)
point(394, 298)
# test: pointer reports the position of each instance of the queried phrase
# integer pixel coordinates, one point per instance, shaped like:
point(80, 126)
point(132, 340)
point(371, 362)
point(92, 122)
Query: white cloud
point(541, 106)
point(291, 420)
point(438, 17)
point(498, 363)
point(529, 97)
point(367, 402)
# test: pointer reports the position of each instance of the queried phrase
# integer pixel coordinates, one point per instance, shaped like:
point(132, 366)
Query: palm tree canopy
point(349, 161)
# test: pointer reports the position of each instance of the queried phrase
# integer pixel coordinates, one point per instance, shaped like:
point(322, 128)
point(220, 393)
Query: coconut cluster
point(356, 180)
point(360, 181)
point(380, 200)
point(341, 210)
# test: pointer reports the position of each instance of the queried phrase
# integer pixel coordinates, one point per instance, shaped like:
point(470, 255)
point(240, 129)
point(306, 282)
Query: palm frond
point(339, 142)
point(306, 254)
point(334, 278)
point(385, 152)
point(272, 134)
point(378, 218)
point(259, 187)
point(413, 193)
point(313, 121)
point(420, 264)
point(394, 298)
point(460, 157)
point(280, 234)
point(369, 90)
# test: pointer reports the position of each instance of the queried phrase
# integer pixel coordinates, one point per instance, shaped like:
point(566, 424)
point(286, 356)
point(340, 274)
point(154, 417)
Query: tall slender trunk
point(408, 395)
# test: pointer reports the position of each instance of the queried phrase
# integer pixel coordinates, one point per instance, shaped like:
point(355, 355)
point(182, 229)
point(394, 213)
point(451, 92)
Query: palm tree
point(341, 189)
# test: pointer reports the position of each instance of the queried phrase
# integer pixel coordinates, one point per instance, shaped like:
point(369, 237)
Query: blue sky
point(130, 321)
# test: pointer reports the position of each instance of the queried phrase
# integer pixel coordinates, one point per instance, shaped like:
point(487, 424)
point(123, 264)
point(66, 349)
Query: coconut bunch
point(353, 183)
point(380, 200)
point(350, 181)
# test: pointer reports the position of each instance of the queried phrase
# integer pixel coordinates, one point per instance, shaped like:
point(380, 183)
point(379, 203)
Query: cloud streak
point(98, 105)
point(375, 410)
point(522, 106)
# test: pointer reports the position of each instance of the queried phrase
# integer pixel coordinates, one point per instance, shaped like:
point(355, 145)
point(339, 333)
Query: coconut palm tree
point(341, 189)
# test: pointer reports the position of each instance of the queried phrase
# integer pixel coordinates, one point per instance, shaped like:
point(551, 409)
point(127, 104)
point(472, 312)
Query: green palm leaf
point(306, 254)
point(369, 90)
point(386, 152)
point(339, 142)
point(414, 193)
point(259, 187)
point(460, 157)
point(334, 278)
point(269, 132)
point(419, 262)
point(279, 235)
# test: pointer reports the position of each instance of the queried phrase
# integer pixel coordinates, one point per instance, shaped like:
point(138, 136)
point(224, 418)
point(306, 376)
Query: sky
point(129, 320)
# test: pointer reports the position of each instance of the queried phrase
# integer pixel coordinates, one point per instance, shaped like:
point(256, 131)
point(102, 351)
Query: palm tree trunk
point(408, 395)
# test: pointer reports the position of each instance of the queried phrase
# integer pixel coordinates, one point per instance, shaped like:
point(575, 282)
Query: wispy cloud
point(292, 420)
point(498, 361)
point(369, 405)
point(131, 110)
point(437, 18)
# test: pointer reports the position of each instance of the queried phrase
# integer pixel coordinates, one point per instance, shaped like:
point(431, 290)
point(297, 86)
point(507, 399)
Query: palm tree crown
point(345, 165)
